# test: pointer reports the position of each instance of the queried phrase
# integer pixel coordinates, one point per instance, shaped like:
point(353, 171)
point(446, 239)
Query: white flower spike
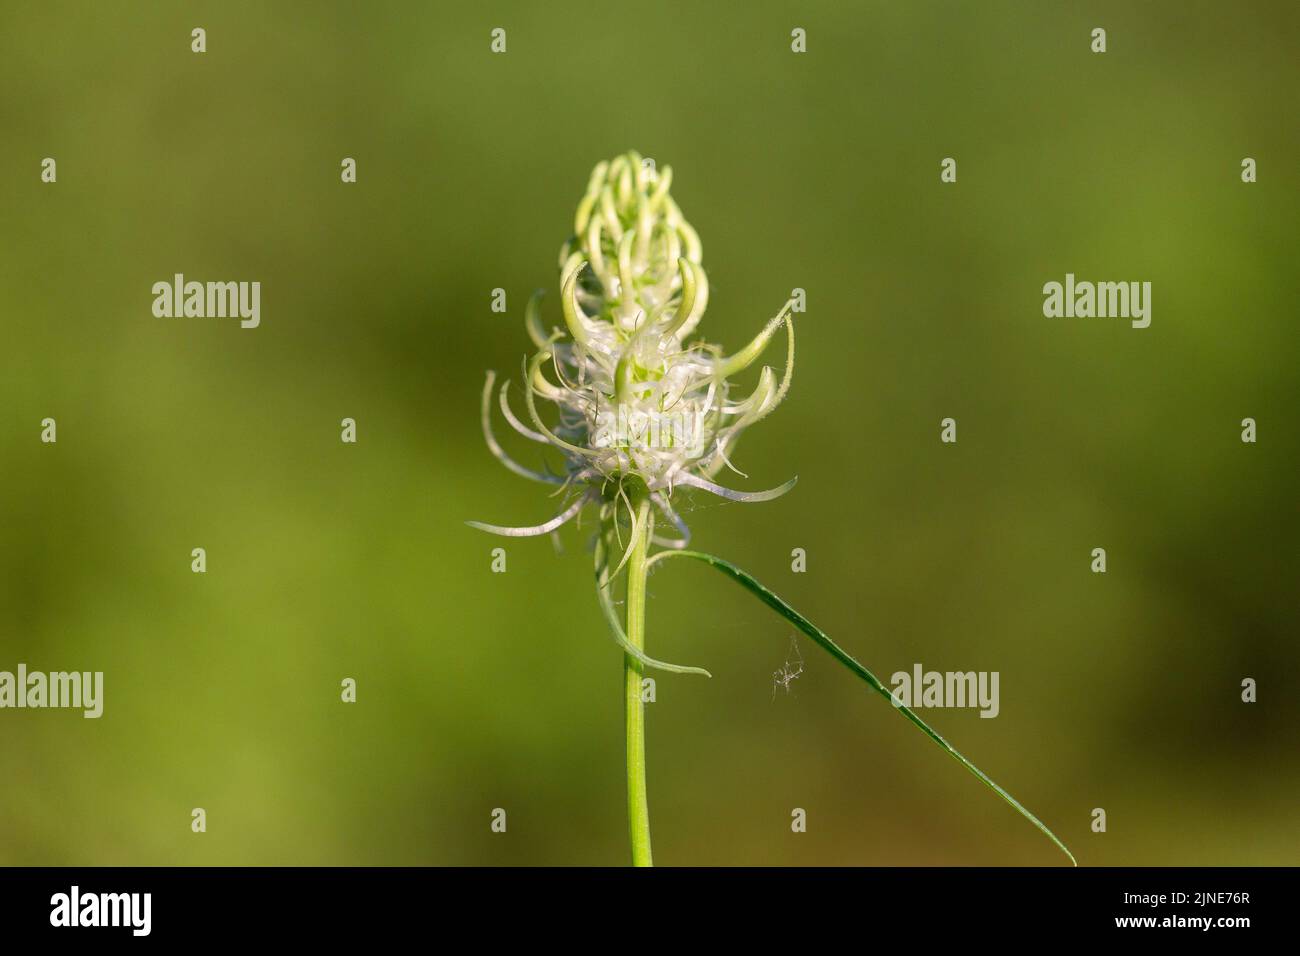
point(641, 411)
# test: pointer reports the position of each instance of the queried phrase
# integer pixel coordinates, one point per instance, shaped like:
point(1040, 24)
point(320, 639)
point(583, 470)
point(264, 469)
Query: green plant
point(642, 413)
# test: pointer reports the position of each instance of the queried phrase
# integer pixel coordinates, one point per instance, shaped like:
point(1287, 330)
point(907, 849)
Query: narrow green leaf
point(616, 629)
point(844, 657)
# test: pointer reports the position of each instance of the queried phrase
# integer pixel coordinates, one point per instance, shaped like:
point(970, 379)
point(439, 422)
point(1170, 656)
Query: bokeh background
point(479, 690)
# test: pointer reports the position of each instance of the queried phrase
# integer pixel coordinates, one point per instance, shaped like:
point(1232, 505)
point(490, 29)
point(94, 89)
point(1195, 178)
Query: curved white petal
point(485, 419)
point(515, 423)
point(545, 528)
point(694, 481)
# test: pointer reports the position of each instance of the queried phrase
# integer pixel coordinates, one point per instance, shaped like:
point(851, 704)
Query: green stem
point(638, 808)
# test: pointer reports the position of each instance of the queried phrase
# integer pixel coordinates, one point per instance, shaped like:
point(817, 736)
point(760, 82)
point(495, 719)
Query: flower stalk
point(638, 808)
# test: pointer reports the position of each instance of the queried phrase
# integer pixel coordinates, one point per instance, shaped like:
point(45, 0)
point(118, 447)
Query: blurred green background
point(479, 690)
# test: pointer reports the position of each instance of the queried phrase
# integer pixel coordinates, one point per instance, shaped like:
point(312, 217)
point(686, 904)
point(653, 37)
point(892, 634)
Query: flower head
point(640, 404)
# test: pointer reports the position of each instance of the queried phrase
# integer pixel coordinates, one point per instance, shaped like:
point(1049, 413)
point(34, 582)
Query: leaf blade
point(823, 640)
